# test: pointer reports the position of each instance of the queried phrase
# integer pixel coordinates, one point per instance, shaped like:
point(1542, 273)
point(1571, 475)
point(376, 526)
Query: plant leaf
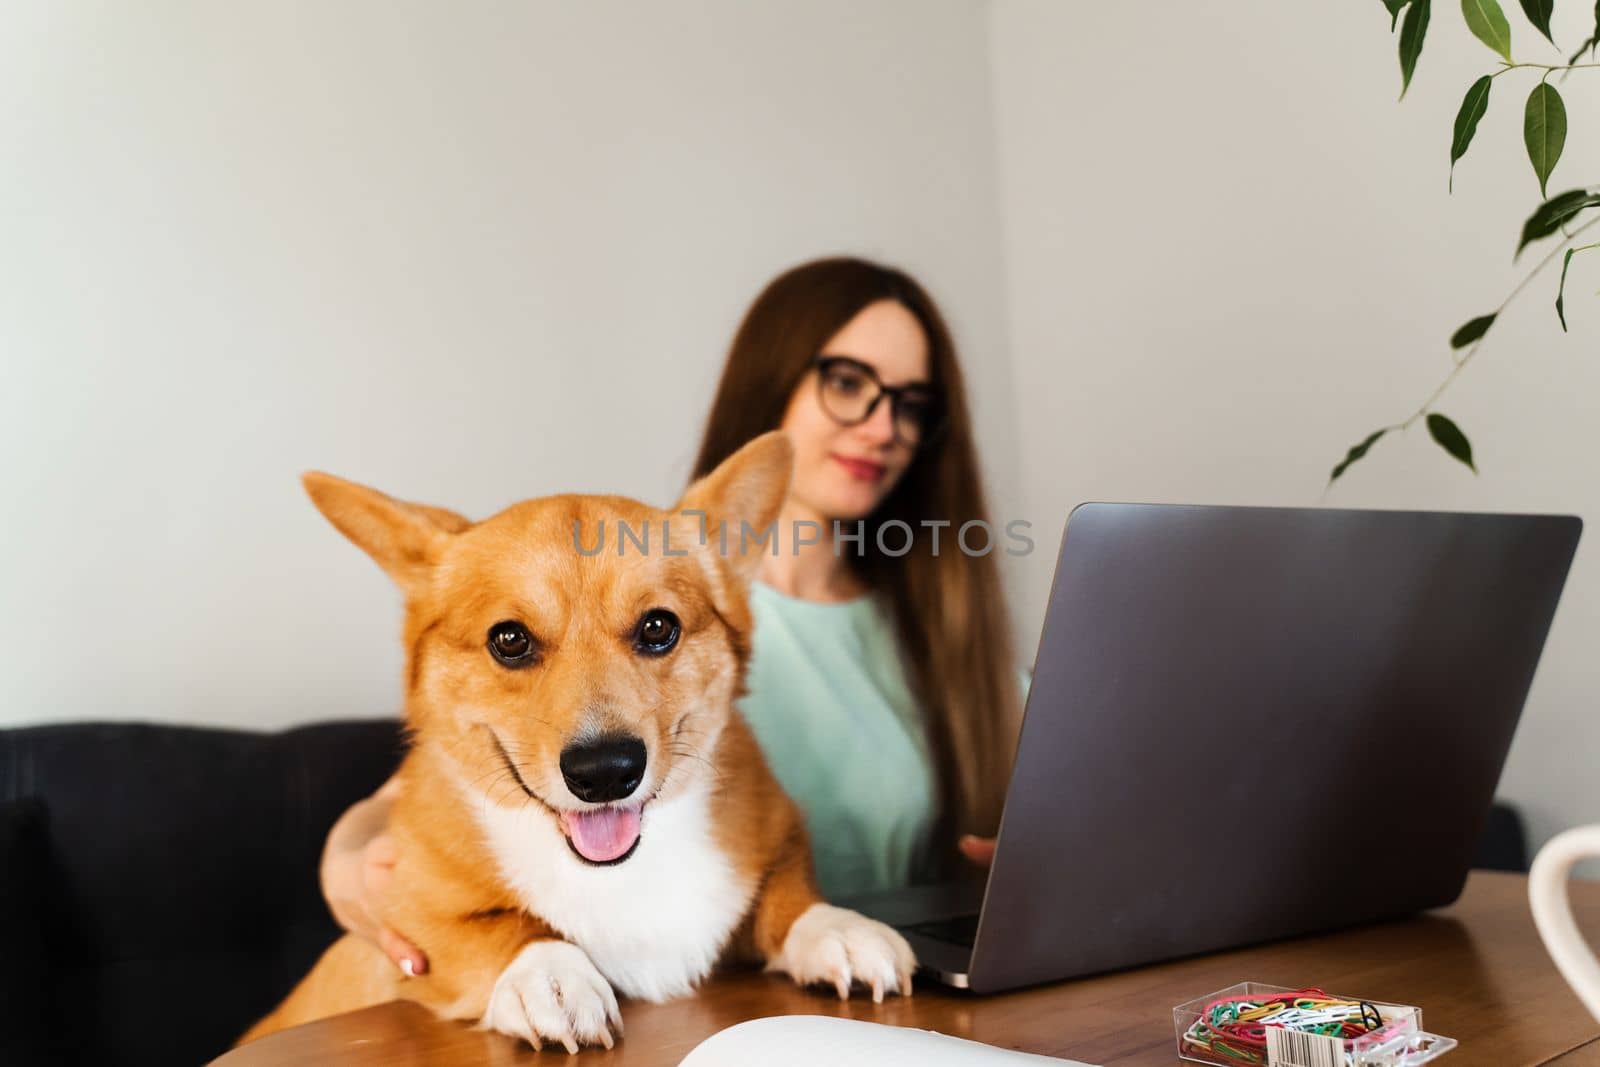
point(1473, 107)
point(1548, 216)
point(1411, 37)
point(1488, 24)
point(1538, 12)
point(1395, 7)
point(1355, 453)
point(1594, 38)
point(1561, 291)
point(1473, 330)
point(1451, 439)
point(1544, 130)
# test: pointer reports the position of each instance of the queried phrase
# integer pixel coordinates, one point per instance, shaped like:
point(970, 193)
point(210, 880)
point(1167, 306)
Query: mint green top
point(832, 709)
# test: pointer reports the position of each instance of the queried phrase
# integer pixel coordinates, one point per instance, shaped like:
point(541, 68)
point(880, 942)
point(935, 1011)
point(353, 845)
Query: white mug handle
point(1552, 911)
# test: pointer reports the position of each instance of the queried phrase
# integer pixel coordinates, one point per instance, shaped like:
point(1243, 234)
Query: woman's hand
point(979, 850)
point(357, 867)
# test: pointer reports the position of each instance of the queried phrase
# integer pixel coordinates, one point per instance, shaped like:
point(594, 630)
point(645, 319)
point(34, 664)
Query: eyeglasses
point(850, 390)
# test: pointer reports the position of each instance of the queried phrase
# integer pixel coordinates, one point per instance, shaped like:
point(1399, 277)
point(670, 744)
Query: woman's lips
point(860, 469)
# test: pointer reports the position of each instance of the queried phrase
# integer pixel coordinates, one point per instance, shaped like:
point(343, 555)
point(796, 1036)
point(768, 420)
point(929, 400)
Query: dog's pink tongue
point(603, 834)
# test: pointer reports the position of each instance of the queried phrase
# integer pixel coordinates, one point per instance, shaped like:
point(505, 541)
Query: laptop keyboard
point(962, 930)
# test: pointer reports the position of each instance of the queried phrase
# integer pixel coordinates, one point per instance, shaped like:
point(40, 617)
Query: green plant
point(1544, 131)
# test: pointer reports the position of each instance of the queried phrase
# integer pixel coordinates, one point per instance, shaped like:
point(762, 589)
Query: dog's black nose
point(606, 769)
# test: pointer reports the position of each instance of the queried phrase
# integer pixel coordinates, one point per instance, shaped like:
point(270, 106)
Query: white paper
point(807, 1040)
point(1293, 1048)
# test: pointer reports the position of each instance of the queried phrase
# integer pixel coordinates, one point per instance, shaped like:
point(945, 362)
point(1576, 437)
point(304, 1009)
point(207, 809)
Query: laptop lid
point(1248, 723)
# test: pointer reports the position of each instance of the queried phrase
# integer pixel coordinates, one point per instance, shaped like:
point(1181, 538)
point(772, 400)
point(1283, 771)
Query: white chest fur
point(654, 924)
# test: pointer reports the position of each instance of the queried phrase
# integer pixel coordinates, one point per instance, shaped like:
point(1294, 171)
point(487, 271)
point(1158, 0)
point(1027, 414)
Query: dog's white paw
point(553, 992)
point(833, 945)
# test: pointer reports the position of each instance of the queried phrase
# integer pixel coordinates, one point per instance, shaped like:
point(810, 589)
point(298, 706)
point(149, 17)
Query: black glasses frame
point(934, 425)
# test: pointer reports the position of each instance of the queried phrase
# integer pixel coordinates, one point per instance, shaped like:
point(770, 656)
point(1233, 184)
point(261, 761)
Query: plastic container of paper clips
point(1253, 1023)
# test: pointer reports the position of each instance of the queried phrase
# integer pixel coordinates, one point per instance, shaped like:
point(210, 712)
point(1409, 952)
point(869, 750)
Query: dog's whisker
point(691, 753)
point(501, 781)
point(493, 771)
point(683, 755)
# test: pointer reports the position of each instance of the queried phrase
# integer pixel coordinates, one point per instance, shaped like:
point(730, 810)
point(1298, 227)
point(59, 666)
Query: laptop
point(1245, 724)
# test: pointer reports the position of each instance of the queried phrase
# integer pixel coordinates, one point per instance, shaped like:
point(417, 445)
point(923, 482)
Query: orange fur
point(468, 715)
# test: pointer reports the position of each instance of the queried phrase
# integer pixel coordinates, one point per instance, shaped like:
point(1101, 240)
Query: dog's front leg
point(795, 931)
point(516, 975)
point(552, 992)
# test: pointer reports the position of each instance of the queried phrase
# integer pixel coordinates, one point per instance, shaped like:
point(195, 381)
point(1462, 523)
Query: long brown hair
point(948, 608)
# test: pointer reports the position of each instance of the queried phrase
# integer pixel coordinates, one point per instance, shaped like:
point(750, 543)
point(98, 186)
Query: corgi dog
point(583, 812)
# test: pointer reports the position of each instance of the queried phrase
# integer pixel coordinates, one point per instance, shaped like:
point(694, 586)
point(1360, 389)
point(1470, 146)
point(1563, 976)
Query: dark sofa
point(158, 884)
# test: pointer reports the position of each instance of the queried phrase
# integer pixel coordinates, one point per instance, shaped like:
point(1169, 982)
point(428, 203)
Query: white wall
point(1230, 255)
point(477, 252)
point(468, 253)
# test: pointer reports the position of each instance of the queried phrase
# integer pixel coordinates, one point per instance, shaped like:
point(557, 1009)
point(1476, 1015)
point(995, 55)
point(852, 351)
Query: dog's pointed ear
point(404, 538)
point(746, 489)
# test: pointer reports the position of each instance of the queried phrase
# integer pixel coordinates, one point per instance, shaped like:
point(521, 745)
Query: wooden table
point(1477, 970)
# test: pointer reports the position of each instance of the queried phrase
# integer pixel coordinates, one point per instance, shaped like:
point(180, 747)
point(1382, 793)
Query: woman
point(881, 685)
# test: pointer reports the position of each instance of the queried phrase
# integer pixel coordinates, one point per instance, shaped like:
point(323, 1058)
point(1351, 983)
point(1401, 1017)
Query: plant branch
point(1548, 68)
point(1467, 356)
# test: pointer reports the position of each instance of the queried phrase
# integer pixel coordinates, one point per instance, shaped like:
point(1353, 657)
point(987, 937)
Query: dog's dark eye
point(657, 632)
point(511, 644)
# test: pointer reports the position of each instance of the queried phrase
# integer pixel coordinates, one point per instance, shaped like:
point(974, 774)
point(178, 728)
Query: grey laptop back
point(1251, 723)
